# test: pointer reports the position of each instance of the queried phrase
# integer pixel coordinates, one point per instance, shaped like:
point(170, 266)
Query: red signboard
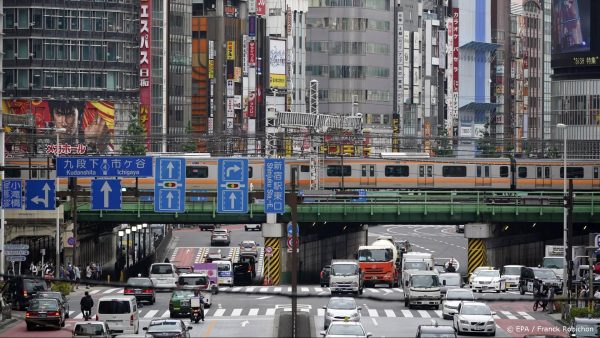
point(252, 105)
point(260, 7)
point(252, 53)
point(145, 64)
point(455, 56)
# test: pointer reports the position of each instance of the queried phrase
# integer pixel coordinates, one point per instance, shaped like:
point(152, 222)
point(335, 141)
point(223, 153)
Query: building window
point(50, 19)
point(572, 172)
point(74, 51)
point(454, 171)
point(74, 80)
point(85, 80)
point(22, 79)
point(37, 49)
point(111, 54)
point(504, 171)
point(111, 80)
point(60, 79)
point(336, 170)
point(61, 21)
point(86, 51)
point(50, 53)
point(9, 78)
point(23, 18)
point(23, 48)
point(61, 52)
point(9, 18)
point(36, 78)
point(74, 18)
point(49, 79)
point(396, 170)
point(522, 172)
point(86, 21)
point(9, 48)
point(98, 22)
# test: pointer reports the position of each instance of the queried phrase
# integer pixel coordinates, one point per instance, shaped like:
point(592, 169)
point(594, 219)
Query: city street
point(236, 311)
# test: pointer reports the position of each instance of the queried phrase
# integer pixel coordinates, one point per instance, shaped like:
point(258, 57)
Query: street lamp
point(144, 226)
point(134, 229)
point(127, 232)
point(120, 234)
point(565, 204)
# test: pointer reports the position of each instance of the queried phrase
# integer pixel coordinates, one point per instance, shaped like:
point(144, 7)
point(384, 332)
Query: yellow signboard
point(211, 69)
point(277, 81)
point(230, 50)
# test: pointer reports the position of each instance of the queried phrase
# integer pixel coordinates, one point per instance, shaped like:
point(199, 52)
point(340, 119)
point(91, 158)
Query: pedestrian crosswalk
point(365, 312)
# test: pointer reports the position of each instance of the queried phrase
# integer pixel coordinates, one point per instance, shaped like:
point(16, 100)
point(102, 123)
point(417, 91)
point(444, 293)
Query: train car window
point(12, 173)
point(372, 171)
point(196, 172)
point(336, 170)
point(364, 171)
point(478, 171)
point(572, 172)
point(250, 172)
point(596, 172)
point(522, 172)
point(421, 171)
point(539, 172)
point(546, 172)
point(304, 169)
point(454, 171)
point(429, 171)
point(487, 171)
point(504, 171)
point(397, 170)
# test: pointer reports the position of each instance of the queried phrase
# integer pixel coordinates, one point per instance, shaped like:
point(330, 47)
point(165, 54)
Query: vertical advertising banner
point(455, 55)
point(231, 50)
point(251, 25)
point(277, 63)
point(245, 55)
point(252, 53)
point(145, 65)
point(261, 7)
point(252, 105)
point(252, 6)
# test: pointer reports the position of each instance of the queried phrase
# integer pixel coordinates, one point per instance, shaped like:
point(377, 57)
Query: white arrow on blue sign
point(232, 186)
point(40, 195)
point(106, 195)
point(290, 229)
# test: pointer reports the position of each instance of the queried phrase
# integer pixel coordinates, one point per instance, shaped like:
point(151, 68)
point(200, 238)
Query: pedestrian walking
point(33, 268)
point(88, 276)
point(77, 276)
point(86, 303)
point(551, 300)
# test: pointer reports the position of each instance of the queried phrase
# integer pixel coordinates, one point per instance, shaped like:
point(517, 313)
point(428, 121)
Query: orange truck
point(380, 262)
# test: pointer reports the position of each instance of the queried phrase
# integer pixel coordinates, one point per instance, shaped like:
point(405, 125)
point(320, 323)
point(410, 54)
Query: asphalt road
point(250, 311)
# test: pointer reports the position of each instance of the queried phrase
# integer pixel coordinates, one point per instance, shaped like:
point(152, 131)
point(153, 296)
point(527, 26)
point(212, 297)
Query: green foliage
point(582, 312)
point(486, 145)
point(134, 143)
point(552, 153)
point(62, 287)
point(189, 145)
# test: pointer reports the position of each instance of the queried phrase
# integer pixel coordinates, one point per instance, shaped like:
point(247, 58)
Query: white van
point(224, 272)
point(120, 314)
point(163, 275)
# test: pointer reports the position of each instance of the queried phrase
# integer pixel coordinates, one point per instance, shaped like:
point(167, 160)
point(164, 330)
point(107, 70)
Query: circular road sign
point(71, 241)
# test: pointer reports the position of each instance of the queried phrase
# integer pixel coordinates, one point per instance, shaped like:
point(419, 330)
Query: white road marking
point(151, 314)
point(277, 289)
point(390, 313)
point(236, 312)
point(110, 290)
point(270, 312)
point(263, 289)
point(265, 297)
point(320, 312)
point(496, 317)
point(387, 290)
point(525, 315)
point(236, 289)
point(374, 321)
point(398, 290)
point(318, 290)
point(79, 316)
point(168, 314)
point(253, 312)
point(250, 289)
point(508, 315)
point(438, 313)
point(373, 290)
point(373, 313)
point(304, 290)
point(219, 313)
point(407, 313)
point(424, 314)
point(93, 292)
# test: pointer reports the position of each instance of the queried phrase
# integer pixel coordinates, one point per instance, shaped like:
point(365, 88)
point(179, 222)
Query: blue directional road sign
point(274, 185)
point(40, 195)
point(117, 166)
point(169, 185)
point(12, 194)
point(106, 195)
point(290, 229)
point(232, 186)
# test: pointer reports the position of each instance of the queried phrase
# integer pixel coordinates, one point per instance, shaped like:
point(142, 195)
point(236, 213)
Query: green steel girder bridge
point(413, 207)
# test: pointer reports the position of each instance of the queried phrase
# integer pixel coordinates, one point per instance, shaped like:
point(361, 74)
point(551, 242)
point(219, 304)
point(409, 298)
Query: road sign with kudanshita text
point(113, 166)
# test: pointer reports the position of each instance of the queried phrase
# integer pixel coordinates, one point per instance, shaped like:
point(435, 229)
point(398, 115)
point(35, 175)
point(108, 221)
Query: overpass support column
point(477, 233)
point(273, 234)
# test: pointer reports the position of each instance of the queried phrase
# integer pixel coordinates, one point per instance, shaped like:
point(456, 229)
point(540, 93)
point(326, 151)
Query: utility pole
point(293, 203)
point(569, 206)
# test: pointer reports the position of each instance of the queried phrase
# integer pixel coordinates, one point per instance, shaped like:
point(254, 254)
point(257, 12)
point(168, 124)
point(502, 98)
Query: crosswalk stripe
point(424, 314)
point(167, 314)
point(496, 317)
point(219, 313)
point(525, 315)
point(110, 290)
point(236, 289)
point(71, 313)
point(407, 313)
point(253, 312)
point(270, 312)
point(79, 316)
point(305, 310)
point(318, 290)
point(398, 290)
point(508, 315)
point(206, 311)
point(373, 290)
point(250, 289)
point(223, 288)
point(264, 289)
point(320, 312)
point(373, 313)
point(390, 313)
point(438, 313)
point(236, 312)
point(277, 289)
point(93, 292)
point(387, 290)
point(151, 314)
point(289, 289)
point(304, 289)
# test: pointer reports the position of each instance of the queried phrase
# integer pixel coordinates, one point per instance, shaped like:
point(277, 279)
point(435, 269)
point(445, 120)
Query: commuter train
point(370, 173)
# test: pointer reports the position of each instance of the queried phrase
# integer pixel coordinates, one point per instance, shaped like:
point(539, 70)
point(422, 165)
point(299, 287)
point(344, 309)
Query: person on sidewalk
point(77, 276)
point(87, 303)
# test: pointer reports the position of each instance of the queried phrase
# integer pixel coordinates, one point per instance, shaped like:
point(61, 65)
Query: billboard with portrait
point(574, 34)
point(88, 125)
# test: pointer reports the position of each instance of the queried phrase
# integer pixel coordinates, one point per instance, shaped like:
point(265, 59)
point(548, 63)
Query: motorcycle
point(196, 310)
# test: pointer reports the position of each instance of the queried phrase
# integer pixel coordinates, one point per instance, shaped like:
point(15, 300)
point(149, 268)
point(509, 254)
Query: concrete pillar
point(476, 233)
point(274, 258)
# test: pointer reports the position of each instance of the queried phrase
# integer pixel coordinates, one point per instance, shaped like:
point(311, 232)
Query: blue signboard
point(198, 198)
point(169, 185)
point(362, 196)
point(290, 229)
point(106, 195)
point(12, 194)
point(274, 185)
point(104, 166)
point(40, 195)
point(232, 186)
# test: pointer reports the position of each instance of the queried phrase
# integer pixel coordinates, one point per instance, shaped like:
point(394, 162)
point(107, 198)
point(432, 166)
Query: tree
point(485, 144)
point(444, 147)
point(134, 143)
point(189, 145)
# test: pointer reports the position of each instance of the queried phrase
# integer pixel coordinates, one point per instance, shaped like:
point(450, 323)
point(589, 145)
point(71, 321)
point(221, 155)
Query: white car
point(452, 301)
point(346, 329)
point(512, 275)
point(474, 317)
point(488, 280)
point(476, 271)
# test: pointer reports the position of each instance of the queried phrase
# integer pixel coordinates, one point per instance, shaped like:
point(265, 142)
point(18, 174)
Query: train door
point(542, 177)
point(425, 177)
point(297, 178)
point(483, 177)
point(367, 175)
point(595, 177)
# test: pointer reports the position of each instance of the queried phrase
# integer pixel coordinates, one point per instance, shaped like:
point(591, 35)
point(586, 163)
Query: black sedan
point(44, 312)
point(142, 288)
point(62, 300)
point(168, 328)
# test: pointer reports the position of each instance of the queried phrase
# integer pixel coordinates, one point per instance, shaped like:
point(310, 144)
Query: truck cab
point(416, 261)
point(422, 288)
point(346, 276)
